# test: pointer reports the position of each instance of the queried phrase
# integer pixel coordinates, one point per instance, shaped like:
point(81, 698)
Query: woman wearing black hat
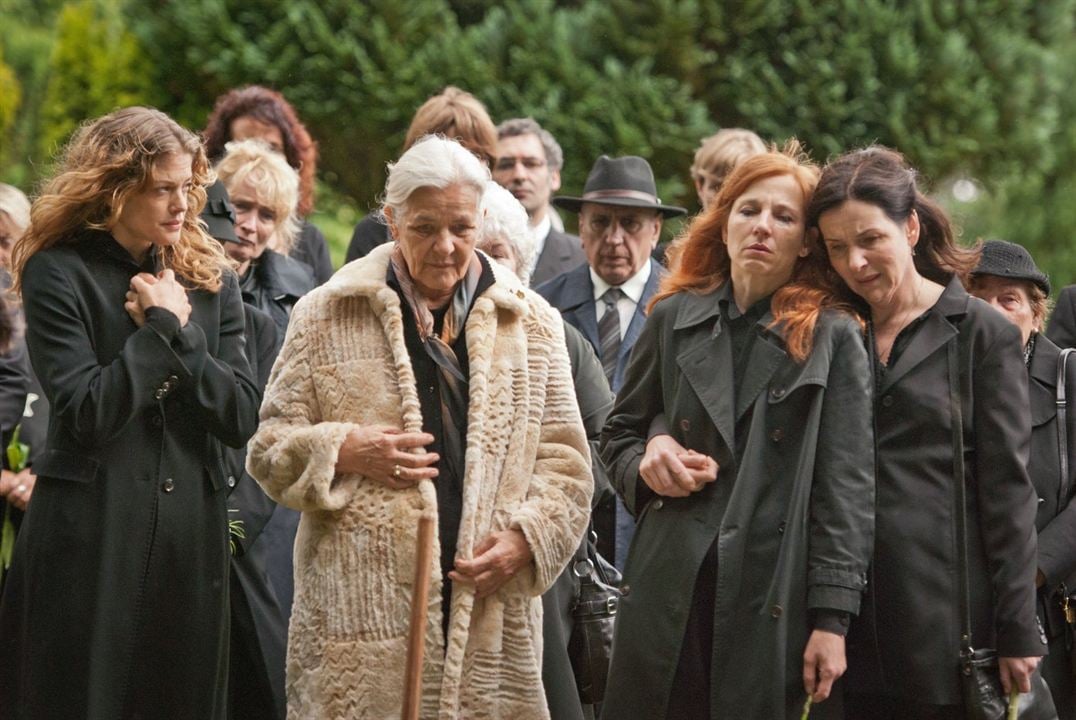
point(1008, 279)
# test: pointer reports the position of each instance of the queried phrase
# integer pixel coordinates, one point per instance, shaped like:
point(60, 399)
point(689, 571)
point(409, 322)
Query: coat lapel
point(576, 303)
point(766, 356)
point(705, 358)
point(1042, 385)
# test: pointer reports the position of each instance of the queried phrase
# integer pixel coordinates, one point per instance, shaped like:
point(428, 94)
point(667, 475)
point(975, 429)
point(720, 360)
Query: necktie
point(609, 332)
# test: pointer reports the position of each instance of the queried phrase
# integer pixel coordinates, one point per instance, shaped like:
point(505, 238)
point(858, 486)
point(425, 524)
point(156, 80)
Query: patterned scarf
point(439, 347)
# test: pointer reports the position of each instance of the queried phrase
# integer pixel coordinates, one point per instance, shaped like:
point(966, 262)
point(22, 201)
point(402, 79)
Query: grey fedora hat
point(625, 181)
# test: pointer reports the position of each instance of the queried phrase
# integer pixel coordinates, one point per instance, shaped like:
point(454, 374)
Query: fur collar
point(366, 277)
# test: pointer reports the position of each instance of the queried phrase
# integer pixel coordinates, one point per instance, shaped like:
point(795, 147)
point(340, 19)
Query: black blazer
point(1062, 327)
point(561, 253)
point(907, 639)
point(573, 294)
point(369, 232)
point(312, 249)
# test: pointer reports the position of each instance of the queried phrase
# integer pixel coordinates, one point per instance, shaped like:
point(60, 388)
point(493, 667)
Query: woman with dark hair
point(891, 251)
point(1008, 279)
point(453, 113)
point(255, 112)
point(759, 495)
point(116, 605)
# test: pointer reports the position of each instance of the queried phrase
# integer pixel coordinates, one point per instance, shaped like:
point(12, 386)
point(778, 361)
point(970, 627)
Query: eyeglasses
point(509, 163)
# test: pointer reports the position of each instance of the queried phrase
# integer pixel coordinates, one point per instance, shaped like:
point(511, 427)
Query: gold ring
point(396, 472)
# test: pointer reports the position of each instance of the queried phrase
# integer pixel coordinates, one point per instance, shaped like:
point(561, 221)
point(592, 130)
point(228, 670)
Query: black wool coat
point(1062, 328)
point(117, 604)
point(906, 641)
point(793, 522)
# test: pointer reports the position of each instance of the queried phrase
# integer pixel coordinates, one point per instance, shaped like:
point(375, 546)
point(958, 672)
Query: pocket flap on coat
point(66, 465)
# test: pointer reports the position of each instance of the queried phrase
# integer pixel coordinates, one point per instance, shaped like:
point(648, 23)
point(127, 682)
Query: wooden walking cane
point(416, 636)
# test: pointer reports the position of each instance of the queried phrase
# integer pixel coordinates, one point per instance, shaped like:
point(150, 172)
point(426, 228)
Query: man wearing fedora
point(620, 217)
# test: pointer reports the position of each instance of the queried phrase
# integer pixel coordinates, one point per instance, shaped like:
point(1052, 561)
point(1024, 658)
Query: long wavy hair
point(106, 162)
point(882, 177)
point(702, 261)
point(270, 107)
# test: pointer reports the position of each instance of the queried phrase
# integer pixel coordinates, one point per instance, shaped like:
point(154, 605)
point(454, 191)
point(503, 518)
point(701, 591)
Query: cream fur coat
point(345, 364)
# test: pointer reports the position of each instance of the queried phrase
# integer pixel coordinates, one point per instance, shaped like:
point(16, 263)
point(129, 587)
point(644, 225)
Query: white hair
point(506, 218)
point(16, 206)
point(434, 162)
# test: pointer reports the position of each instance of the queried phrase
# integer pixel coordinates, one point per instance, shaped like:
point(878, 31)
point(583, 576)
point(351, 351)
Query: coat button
point(685, 424)
point(887, 401)
point(168, 486)
point(159, 395)
point(658, 504)
point(776, 611)
point(231, 481)
point(777, 435)
point(778, 392)
point(781, 529)
point(156, 421)
point(625, 590)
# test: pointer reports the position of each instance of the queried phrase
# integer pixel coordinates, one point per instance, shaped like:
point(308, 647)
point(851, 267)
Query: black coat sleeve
point(842, 493)
point(1057, 541)
point(595, 401)
point(1062, 328)
point(639, 401)
point(369, 232)
point(1006, 498)
point(97, 402)
point(14, 384)
point(312, 249)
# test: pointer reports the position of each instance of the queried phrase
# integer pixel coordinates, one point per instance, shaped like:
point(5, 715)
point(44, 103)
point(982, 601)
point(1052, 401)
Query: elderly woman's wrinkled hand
point(388, 456)
point(497, 559)
point(670, 470)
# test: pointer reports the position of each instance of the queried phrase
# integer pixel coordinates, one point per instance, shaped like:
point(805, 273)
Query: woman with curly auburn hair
point(740, 440)
point(116, 604)
point(258, 113)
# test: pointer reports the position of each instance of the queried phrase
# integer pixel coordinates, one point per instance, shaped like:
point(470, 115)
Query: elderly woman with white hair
point(424, 380)
point(507, 239)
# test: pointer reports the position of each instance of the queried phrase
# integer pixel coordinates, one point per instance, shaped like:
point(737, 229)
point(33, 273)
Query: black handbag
point(590, 645)
point(984, 698)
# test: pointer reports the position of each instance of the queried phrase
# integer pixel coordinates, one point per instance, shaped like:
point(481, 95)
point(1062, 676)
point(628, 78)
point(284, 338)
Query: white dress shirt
point(632, 288)
point(540, 233)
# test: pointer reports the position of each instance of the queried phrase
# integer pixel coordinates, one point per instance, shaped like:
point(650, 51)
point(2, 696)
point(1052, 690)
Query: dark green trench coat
point(116, 605)
point(794, 523)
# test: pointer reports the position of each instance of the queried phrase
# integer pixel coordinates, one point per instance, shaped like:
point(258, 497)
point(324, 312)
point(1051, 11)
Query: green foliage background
point(968, 89)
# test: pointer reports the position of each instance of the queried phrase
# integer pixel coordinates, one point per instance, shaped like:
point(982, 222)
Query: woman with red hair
point(741, 442)
point(255, 112)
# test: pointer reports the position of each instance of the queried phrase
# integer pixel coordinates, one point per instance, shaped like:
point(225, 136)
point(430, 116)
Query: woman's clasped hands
point(162, 290)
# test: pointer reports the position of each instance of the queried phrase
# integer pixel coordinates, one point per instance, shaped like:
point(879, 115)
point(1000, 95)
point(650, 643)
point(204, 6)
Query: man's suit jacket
point(573, 294)
point(561, 253)
point(1062, 328)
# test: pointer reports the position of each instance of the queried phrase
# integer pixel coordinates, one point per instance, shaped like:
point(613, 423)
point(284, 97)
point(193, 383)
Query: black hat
point(625, 182)
point(219, 213)
point(1009, 260)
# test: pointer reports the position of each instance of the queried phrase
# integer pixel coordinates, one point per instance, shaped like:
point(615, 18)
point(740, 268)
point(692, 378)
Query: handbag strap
point(1062, 426)
point(960, 499)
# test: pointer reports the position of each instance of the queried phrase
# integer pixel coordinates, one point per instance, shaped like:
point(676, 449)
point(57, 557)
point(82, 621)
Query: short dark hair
point(554, 156)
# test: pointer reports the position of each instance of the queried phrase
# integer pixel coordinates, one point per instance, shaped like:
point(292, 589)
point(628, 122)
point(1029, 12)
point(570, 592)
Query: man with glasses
point(605, 298)
point(528, 165)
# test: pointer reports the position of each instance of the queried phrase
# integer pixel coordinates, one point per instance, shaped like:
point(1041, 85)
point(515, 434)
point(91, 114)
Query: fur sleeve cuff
point(549, 557)
point(297, 466)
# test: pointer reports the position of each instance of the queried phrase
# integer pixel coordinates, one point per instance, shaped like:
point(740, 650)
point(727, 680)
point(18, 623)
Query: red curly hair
point(270, 107)
point(700, 259)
